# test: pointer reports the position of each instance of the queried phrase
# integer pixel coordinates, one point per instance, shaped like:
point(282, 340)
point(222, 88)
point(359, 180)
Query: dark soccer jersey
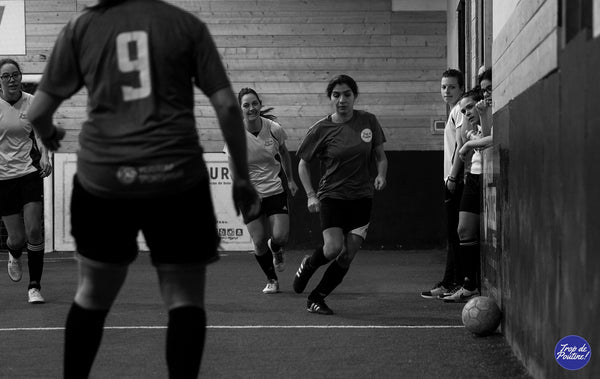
point(346, 153)
point(140, 137)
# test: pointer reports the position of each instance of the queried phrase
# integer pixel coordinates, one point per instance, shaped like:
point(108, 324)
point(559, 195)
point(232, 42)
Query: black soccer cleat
point(305, 271)
point(318, 307)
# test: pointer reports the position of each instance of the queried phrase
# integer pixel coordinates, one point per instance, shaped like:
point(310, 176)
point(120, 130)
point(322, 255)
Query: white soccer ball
point(481, 315)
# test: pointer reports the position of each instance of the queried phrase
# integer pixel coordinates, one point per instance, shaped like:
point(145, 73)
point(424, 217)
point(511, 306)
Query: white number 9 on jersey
point(141, 63)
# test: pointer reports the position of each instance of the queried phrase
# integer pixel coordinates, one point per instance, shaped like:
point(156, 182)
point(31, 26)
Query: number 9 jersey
point(140, 136)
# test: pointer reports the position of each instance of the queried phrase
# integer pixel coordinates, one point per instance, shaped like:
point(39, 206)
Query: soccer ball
point(481, 315)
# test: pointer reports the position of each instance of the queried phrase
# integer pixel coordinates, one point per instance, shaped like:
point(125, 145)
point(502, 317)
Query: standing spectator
point(267, 155)
point(346, 143)
point(140, 165)
point(452, 87)
point(470, 205)
point(24, 163)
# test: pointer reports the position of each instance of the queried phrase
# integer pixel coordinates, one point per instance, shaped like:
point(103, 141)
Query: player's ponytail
point(265, 113)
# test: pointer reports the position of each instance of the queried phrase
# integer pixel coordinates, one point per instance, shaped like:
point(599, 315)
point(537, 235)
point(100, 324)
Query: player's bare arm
point(304, 175)
point(382, 166)
point(287, 168)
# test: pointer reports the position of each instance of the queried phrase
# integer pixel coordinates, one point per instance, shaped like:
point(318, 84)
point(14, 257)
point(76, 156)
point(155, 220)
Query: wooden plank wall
point(525, 50)
point(287, 50)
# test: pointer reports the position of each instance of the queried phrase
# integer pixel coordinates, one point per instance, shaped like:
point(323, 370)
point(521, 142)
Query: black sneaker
point(303, 275)
point(318, 307)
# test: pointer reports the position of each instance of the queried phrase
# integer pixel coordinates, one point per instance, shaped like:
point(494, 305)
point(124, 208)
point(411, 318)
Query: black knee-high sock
point(83, 333)
point(185, 341)
point(266, 263)
point(275, 246)
point(318, 259)
point(469, 251)
point(16, 253)
point(332, 277)
point(35, 262)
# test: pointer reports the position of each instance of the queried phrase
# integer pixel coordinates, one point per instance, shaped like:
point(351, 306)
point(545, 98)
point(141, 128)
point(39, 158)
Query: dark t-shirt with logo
point(139, 62)
point(346, 154)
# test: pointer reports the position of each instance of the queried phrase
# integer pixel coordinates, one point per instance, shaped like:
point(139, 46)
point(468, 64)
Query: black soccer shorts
point(178, 229)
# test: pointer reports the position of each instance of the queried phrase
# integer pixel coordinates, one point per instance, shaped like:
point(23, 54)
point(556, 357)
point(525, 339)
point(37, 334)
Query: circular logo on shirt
point(366, 135)
point(572, 352)
point(126, 174)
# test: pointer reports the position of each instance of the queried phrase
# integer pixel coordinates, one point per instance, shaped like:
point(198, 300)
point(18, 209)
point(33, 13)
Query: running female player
point(267, 155)
point(346, 143)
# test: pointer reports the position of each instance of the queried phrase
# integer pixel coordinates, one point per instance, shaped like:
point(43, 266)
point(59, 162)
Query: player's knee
point(34, 233)
point(93, 300)
point(465, 233)
point(333, 249)
point(16, 241)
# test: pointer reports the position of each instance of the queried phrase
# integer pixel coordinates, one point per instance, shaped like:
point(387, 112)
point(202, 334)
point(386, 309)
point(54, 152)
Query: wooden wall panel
point(287, 50)
point(525, 50)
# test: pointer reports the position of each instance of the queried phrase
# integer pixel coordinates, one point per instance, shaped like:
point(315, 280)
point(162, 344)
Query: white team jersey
point(15, 142)
point(476, 159)
point(450, 154)
point(262, 166)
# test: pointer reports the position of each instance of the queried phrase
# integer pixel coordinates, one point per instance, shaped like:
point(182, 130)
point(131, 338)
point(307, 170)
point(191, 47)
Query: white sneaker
point(461, 296)
point(278, 260)
point(271, 287)
point(35, 297)
point(15, 271)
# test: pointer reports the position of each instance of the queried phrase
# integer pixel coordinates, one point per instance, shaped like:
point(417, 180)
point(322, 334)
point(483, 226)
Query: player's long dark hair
point(105, 4)
point(263, 112)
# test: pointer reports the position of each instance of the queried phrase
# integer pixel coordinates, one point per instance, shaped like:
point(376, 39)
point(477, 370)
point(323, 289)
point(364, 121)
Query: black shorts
point(15, 193)
point(178, 229)
point(350, 215)
point(471, 197)
point(270, 205)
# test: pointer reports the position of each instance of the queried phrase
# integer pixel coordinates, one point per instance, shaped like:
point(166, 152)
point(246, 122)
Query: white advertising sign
point(233, 232)
point(12, 27)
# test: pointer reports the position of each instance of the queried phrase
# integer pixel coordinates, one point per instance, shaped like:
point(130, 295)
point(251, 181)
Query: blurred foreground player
point(140, 165)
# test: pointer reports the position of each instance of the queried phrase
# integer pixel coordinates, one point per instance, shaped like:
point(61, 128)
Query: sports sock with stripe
point(35, 262)
point(185, 341)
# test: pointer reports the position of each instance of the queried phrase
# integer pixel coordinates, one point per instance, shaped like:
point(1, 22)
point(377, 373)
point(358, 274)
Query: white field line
point(255, 327)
